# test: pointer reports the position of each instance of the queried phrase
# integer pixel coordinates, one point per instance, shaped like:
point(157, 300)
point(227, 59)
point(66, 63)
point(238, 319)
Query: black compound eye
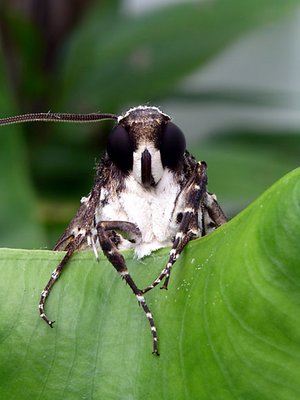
point(172, 145)
point(120, 148)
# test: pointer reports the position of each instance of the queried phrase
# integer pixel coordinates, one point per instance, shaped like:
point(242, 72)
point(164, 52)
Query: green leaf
point(228, 326)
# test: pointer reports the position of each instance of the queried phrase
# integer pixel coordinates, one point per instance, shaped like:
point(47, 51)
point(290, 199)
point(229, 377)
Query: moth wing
point(74, 229)
point(82, 223)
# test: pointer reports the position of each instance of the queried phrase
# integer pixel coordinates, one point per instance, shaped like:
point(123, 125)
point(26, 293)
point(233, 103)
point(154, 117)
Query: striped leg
point(214, 210)
point(188, 229)
point(117, 260)
point(128, 227)
point(72, 247)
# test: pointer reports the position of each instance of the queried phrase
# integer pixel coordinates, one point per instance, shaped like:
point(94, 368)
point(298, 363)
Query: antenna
point(57, 117)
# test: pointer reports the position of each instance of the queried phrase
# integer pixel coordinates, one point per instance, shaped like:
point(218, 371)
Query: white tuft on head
point(128, 112)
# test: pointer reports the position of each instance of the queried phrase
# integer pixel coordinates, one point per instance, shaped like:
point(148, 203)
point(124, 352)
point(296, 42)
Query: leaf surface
point(228, 325)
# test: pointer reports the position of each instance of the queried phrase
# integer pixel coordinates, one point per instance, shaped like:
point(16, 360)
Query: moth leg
point(128, 227)
point(214, 210)
point(188, 229)
point(63, 242)
point(117, 260)
point(72, 247)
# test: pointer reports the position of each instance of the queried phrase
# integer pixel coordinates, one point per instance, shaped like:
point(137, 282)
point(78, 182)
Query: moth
point(149, 192)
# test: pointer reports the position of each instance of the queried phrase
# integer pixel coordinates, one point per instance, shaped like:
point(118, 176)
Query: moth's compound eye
point(120, 148)
point(172, 145)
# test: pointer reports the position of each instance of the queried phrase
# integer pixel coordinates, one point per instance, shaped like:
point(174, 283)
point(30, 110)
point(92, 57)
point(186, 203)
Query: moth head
point(145, 142)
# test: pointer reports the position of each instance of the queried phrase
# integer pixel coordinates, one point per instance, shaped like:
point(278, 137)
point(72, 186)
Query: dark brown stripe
point(146, 168)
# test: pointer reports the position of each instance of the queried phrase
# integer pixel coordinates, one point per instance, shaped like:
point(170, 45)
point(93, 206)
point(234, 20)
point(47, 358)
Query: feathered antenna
point(57, 117)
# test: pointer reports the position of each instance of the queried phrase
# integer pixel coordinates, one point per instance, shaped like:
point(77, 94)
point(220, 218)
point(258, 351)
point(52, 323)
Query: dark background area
point(88, 56)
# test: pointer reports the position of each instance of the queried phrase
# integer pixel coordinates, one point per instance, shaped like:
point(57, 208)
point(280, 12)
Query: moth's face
point(144, 143)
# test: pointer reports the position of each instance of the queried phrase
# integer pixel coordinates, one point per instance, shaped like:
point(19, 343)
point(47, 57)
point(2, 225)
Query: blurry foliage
point(84, 56)
point(242, 164)
point(18, 222)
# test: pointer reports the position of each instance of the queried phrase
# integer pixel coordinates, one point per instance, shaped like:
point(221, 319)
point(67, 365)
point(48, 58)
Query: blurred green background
point(227, 71)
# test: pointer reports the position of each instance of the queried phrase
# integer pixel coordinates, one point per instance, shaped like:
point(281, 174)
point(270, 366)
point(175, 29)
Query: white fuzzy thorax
point(150, 209)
